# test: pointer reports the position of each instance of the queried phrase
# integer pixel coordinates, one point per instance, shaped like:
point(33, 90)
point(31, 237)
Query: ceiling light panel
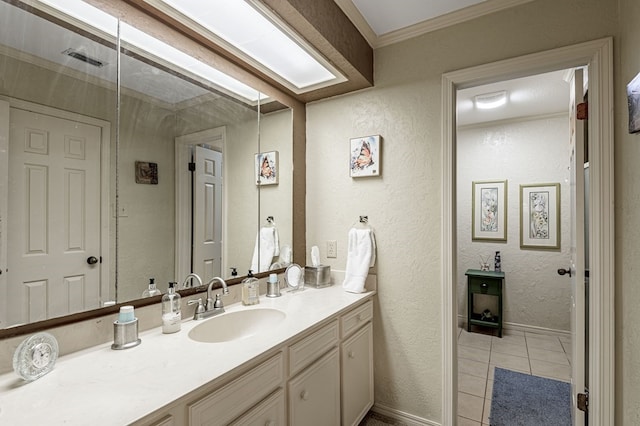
point(249, 30)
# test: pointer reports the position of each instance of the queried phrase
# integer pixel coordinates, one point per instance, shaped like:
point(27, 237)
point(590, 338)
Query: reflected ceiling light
point(491, 100)
point(84, 13)
point(248, 29)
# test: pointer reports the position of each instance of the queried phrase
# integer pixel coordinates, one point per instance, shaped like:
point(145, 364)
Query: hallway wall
point(404, 203)
point(529, 151)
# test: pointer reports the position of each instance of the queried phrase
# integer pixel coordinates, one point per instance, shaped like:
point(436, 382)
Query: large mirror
point(98, 192)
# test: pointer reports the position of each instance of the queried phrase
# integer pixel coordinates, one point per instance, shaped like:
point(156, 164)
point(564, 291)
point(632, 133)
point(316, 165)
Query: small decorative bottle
point(171, 314)
point(250, 289)
point(152, 290)
point(497, 262)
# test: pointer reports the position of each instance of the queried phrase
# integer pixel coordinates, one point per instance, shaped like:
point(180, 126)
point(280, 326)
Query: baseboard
point(462, 322)
point(405, 418)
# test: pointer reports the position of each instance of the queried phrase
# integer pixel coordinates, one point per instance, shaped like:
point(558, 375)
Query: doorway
point(597, 55)
point(514, 146)
point(199, 203)
point(54, 214)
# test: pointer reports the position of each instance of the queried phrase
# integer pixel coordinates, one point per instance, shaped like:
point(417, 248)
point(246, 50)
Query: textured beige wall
point(627, 175)
point(530, 151)
point(404, 204)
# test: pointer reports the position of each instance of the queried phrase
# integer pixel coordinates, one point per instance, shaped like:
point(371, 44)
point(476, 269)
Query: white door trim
point(105, 161)
point(598, 55)
point(216, 138)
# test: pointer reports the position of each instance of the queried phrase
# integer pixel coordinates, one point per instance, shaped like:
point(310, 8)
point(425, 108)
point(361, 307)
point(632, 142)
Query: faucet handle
point(200, 310)
point(218, 303)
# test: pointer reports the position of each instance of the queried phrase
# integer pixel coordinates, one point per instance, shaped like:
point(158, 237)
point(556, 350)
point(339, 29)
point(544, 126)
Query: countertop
point(101, 386)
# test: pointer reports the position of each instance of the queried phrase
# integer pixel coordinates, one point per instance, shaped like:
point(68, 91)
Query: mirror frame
point(168, 30)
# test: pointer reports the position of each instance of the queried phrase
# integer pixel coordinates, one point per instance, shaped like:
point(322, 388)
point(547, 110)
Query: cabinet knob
point(484, 285)
point(352, 354)
point(304, 395)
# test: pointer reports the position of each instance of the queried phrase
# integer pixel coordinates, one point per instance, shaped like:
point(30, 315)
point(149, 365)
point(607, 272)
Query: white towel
point(268, 246)
point(361, 255)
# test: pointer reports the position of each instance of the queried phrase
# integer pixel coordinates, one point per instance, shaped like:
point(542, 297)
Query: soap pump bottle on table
point(152, 290)
point(250, 290)
point(497, 262)
point(171, 314)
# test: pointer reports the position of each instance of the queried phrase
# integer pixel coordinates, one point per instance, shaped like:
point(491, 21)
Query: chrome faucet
point(212, 307)
point(192, 275)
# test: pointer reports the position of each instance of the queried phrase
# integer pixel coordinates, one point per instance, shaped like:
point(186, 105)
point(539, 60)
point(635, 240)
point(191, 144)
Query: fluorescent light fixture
point(96, 18)
point(491, 100)
point(246, 28)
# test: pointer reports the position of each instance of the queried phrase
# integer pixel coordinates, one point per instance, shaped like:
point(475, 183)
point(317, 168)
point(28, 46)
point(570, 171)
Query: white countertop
point(101, 386)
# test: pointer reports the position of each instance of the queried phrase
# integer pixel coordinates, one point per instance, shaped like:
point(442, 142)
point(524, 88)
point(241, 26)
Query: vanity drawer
point(232, 400)
point(356, 318)
point(307, 350)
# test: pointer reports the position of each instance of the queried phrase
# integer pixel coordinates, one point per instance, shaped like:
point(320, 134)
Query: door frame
point(216, 138)
point(6, 103)
point(598, 55)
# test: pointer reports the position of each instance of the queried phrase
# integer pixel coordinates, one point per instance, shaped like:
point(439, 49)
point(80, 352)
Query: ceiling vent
point(84, 58)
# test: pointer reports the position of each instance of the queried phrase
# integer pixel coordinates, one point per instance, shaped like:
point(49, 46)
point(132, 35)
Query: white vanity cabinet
point(322, 376)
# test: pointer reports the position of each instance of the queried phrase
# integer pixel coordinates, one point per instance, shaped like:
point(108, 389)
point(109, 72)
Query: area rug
point(523, 400)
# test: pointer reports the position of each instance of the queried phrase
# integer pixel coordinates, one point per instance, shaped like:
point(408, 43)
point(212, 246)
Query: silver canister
point(125, 335)
point(317, 276)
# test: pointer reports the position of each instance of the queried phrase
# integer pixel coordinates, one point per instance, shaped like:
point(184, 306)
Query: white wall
point(404, 204)
point(524, 152)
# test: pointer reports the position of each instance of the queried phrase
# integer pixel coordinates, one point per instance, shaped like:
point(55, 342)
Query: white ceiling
point(384, 22)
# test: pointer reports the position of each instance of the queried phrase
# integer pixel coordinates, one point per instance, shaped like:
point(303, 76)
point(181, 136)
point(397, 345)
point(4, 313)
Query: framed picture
point(489, 215)
point(266, 168)
point(365, 159)
point(540, 216)
point(633, 99)
point(146, 173)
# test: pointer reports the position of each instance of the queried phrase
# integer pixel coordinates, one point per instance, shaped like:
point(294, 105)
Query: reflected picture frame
point(489, 211)
point(266, 168)
point(540, 216)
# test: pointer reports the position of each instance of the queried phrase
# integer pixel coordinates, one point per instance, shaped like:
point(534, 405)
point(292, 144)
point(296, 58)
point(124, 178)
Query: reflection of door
point(207, 213)
point(193, 249)
point(54, 209)
point(577, 274)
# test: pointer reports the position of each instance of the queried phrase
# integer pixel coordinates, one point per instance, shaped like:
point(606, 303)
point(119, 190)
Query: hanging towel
point(268, 246)
point(361, 255)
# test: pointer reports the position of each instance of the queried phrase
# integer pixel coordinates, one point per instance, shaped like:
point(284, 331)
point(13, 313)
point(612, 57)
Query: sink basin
point(236, 325)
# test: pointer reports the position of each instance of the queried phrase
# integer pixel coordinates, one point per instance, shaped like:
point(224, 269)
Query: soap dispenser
point(171, 314)
point(151, 290)
point(250, 290)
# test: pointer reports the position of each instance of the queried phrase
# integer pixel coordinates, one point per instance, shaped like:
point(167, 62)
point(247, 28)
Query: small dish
point(294, 277)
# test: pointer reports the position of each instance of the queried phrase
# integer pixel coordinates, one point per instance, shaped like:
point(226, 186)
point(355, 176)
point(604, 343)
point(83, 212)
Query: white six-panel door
point(53, 216)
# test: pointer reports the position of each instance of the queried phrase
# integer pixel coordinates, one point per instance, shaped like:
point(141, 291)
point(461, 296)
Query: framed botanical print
point(540, 216)
point(489, 211)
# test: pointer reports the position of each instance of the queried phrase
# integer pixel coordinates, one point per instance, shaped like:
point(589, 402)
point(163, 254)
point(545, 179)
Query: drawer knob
point(352, 354)
point(270, 423)
point(304, 395)
point(359, 317)
point(484, 285)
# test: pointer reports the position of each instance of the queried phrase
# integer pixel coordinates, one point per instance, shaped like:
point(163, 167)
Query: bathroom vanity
point(312, 366)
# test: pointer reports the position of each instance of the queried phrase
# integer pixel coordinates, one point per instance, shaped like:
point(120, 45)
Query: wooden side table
point(489, 283)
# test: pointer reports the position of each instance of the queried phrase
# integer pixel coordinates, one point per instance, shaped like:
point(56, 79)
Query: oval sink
point(236, 325)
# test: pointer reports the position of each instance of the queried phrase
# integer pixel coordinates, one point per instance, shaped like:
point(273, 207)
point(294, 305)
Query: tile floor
point(479, 354)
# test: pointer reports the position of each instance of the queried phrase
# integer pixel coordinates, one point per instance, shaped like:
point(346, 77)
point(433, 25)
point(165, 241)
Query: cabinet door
point(357, 375)
point(314, 395)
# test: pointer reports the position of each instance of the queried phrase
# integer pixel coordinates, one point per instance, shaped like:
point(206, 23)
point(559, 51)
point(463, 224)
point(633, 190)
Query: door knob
point(92, 260)
point(563, 271)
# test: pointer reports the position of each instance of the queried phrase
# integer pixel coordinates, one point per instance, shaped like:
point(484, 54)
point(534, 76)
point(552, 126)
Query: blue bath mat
point(524, 400)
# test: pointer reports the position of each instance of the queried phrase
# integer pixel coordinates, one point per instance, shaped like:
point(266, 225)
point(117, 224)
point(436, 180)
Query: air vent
point(84, 58)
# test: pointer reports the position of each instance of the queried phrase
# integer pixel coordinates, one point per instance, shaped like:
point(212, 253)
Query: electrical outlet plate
point(332, 248)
